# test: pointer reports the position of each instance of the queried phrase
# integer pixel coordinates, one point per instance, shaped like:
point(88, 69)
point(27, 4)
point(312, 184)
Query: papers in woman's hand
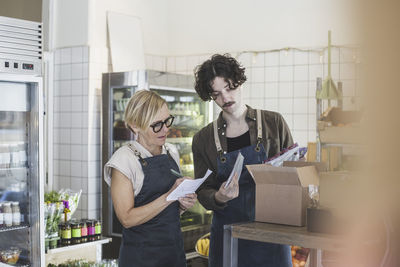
point(188, 186)
point(237, 168)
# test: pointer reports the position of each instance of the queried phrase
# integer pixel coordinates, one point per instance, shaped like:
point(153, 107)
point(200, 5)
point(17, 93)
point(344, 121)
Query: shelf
point(179, 140)
point(104, 240)
point(188, 113)
point(18, 264)
point(13, 168)
point(12, 143)
point(192, 255)
point(13, 228)
point(121, 141)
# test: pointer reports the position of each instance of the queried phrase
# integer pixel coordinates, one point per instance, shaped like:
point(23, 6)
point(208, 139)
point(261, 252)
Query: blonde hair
point(142, 109)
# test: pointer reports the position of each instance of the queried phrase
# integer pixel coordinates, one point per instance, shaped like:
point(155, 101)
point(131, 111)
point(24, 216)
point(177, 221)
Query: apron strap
point(218, 143)
point(141, 159)
point(137, 154)
point(259, 131)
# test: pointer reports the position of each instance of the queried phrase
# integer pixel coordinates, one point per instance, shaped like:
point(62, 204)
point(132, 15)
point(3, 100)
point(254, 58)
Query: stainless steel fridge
point(21, 143)
point(191, 114)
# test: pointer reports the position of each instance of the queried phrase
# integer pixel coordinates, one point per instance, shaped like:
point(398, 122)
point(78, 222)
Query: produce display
point(52, 214)
point(58, 208)
point(10, 256)
point(203, 245)
point(299, 256)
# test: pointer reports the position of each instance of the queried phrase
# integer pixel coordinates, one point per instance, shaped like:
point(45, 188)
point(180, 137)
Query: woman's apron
point(159, 241)
point(242, 209)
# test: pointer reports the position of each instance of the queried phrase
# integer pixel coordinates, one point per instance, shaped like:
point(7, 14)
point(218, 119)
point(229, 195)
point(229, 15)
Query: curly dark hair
point(223, 66)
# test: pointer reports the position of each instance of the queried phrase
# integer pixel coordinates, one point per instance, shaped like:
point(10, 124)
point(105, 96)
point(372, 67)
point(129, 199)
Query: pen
point(177, 174)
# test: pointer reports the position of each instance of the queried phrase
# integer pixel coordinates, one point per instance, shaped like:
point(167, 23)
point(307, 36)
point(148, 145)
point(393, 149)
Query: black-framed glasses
point(159, 125)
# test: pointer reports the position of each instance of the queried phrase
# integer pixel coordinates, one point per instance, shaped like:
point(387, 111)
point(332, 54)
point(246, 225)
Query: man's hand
point(223, 195)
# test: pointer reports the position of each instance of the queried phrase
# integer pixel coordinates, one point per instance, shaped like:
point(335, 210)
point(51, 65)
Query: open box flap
point(308, 175)
point(267, 174)
point(321, 166)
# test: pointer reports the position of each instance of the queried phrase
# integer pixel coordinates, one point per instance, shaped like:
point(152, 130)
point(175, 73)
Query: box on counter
point(340, 134)
point(340, 126)
point(282, 192)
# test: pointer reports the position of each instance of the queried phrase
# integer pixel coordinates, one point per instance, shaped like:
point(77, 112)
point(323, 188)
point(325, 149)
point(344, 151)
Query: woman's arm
point(123, 198)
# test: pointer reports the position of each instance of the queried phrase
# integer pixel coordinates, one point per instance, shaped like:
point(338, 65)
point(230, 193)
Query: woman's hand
point(223, 195)
point(175, 185)
point(187, 202)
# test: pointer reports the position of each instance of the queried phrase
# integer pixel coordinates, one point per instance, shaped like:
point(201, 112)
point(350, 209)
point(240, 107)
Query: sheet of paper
point(187, 187)
point(237, 168)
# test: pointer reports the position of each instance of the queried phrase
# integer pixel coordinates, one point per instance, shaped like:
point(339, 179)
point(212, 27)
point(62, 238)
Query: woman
point(257, 134)
point(140, 178)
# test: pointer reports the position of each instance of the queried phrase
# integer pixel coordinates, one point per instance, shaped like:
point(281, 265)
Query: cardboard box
point(282, 192)
point(339, 126)
point(340, 135)
point(337, 116)
point(331, 155)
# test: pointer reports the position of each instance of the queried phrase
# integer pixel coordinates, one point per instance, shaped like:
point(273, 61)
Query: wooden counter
point(279, 234)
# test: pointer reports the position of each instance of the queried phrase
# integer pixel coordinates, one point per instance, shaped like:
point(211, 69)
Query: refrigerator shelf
point(179, 140)
point(13, 168)
point(13, 228)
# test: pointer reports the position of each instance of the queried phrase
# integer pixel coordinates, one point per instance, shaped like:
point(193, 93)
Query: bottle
point(22, 156)
point(84, 232)
point(16, 214)
point(76, 232)
point(66, 234)
point(91, 230)
point(1, 215)
point(14, 157)
point(7, 211)
point(97, 229)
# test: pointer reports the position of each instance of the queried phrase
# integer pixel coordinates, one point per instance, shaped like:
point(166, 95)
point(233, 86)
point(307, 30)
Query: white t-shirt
point(125, 161)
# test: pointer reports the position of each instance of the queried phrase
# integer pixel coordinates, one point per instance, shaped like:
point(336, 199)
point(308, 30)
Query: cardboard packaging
point(332, 155)
point(282, 192)
point(339, 126)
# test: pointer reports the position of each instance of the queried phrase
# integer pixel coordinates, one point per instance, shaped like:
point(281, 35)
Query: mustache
point(228, 103)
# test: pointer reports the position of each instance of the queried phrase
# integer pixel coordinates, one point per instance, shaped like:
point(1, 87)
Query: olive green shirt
point(276, 137)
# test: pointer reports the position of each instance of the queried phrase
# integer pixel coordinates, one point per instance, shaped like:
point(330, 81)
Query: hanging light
point(329, 90)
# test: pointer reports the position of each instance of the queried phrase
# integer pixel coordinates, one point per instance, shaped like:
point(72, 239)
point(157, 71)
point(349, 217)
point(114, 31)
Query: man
point(257, 135)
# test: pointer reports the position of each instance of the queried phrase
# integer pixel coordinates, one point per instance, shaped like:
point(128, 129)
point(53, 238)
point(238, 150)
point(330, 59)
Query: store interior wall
point(178, 27)
point(232, 26)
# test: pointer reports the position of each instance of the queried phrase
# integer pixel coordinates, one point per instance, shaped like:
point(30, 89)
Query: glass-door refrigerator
point(21, 144)
point(191, 114)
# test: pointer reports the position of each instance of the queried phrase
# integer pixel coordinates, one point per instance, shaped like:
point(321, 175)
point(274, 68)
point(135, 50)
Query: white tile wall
point(77, 124)
point(286, 80)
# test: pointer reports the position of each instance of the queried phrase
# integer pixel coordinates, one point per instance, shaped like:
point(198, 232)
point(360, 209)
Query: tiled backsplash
point(76, 129)
point(283, 81)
